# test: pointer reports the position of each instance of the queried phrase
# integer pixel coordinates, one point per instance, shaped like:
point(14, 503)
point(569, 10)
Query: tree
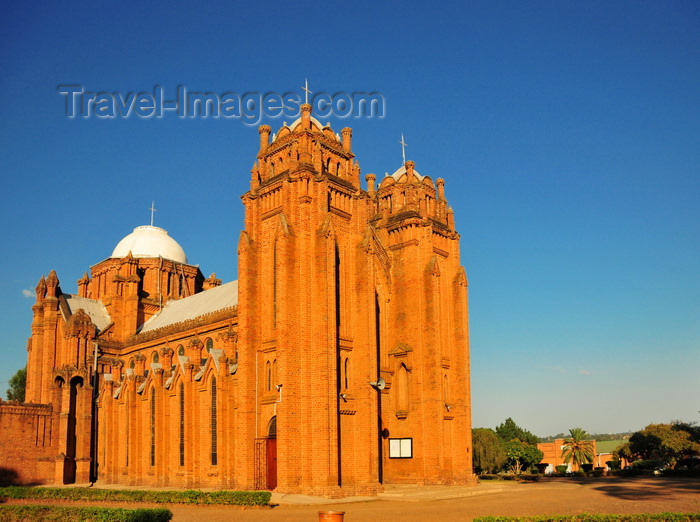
point(577, 448)
point(488, 453)
point(623, 451)
point(667, 442)
point(18, 384)
point(509, 430)
point(521, 455)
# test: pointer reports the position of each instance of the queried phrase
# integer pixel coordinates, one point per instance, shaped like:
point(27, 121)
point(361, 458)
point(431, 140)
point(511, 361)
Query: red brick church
point(339, 360)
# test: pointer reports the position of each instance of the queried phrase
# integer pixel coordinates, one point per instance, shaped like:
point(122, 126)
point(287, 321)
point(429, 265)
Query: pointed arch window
point(346, 373)
point(182, 424)
point(402, 389)
point(127, 432)
point(153, 425)
point(209, 344)
point(214, 438)
point(181, 350)
point(274, 284)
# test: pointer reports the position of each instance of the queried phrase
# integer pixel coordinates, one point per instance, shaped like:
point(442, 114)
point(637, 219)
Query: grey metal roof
point(95, 309)
point(203, 303)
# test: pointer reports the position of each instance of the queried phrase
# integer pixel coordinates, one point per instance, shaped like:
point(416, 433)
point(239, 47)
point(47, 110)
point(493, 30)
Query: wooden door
point(271, 463)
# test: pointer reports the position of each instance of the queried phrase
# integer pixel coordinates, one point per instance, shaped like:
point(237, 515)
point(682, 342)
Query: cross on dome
point(306, 90)
point(403, 148)
point(152, 209)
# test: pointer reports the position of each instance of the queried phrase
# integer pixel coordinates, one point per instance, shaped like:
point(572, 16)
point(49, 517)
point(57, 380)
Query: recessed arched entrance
point(69, 468)
point(271, 453)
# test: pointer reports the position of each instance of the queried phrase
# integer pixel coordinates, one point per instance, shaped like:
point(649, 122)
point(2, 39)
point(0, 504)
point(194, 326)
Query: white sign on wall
point(401, 448)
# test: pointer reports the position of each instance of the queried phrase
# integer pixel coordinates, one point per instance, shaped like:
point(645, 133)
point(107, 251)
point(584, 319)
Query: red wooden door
point(271, 463)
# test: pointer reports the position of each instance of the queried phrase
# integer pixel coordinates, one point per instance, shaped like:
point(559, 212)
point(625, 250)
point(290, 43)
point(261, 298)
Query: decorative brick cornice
point(18, 408)
point(202, 320)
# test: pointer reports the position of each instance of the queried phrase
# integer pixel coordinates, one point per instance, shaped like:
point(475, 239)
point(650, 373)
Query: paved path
point(432, 503)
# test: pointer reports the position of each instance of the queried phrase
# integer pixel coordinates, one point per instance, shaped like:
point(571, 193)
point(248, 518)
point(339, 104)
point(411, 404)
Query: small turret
point(346, 133)
point(264, 131)
point(40, 290)
point(410, 174)
point(441, 188)
point(52, 285)
point(83, 283)
point(306, 116)
point(370, 183)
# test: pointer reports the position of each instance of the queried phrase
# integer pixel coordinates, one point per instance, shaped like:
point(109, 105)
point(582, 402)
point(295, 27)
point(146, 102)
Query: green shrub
point(656, 517)
point(647, 464)
point(561, 468)
point(238, 498)
point(97, 514)
point(614, 464)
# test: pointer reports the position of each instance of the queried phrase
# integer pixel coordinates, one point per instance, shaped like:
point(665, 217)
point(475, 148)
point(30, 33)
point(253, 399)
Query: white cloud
point(27, 293)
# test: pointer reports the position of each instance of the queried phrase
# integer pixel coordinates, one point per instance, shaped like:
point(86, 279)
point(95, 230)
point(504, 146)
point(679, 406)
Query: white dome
point(150, 241)
point(402, 170)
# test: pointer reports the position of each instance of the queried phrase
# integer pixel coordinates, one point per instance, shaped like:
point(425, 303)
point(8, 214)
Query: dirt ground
point(548, 497)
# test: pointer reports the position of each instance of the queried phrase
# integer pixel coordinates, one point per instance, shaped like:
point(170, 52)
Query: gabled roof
point(203, 303)
point(94, 308)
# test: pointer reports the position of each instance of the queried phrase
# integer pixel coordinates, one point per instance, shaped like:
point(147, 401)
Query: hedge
point(238, 498)
point(96, 514)
point(525, 477)
point(585, 517)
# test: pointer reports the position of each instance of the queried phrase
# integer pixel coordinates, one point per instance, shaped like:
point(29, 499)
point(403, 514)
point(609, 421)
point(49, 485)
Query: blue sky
point(568, 134)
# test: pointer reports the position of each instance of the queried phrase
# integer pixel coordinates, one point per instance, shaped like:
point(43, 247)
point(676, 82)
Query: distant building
point(602, 451)
point(337, 362)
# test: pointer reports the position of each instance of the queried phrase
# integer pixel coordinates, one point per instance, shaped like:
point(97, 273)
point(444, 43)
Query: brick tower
point(340, 288)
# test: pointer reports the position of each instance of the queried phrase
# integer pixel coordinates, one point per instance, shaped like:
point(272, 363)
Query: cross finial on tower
point(306, 90)
point(152, 209)
point(403, 148)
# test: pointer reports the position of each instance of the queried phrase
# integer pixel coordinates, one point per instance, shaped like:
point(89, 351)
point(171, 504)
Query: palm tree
point(577, 449)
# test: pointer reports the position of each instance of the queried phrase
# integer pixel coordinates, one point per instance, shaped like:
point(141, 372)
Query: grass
point(646, 517)
point(97, 514)
point(237, 498)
